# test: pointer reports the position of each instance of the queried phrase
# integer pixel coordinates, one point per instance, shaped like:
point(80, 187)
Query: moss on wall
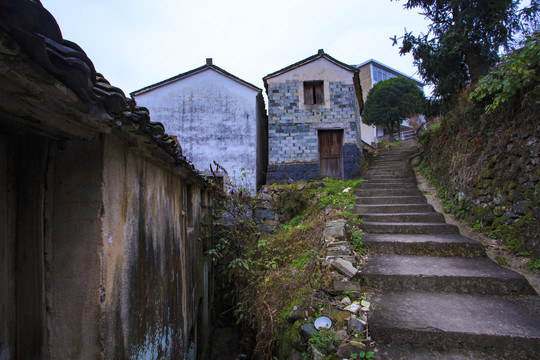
point(489, 171)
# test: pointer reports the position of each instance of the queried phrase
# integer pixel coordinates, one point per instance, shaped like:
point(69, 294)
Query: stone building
point(101, 247)
point(314, 120)
point(371, 72)
point(217, 117)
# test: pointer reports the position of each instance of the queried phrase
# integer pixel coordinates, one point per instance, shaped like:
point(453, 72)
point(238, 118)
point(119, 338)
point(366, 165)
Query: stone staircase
point(434, 293)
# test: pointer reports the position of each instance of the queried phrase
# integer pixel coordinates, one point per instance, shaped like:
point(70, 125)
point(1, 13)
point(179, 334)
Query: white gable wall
point(214, 118)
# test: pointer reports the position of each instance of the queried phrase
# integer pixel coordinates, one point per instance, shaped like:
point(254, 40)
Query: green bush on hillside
point(515, 82)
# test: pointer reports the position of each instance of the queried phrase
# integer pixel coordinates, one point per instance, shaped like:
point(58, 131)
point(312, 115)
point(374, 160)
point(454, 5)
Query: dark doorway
point(331, 153)
point(23, 171)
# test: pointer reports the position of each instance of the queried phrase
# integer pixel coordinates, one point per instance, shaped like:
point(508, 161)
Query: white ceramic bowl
point(323, 323)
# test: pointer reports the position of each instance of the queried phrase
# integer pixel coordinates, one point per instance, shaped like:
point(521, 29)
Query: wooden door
point(331, 153)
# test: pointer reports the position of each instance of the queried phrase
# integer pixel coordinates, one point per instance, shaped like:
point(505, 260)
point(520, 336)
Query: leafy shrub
point(291, 202)
point(533, 265)
point(357, 243)
point(515, 82)
point(325, 340)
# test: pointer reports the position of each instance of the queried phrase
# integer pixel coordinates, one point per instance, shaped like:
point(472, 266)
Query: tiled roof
point(37, 34)
point(209, 65)
point(320, 55)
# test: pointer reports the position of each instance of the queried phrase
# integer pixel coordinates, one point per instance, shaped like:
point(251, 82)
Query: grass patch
point(272, 272)
point(533, 264)
point(337, 193)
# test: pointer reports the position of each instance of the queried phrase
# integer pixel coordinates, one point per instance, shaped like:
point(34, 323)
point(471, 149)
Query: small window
point(313, 92)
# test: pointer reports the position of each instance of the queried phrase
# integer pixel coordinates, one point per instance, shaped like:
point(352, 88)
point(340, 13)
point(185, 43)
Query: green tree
point(391, 101)
point(464, 40)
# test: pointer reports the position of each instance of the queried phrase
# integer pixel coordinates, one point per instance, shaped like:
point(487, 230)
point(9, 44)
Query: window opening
point(313, 92)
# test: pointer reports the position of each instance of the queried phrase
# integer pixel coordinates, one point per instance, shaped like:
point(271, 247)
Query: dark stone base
point(281, 174)
point(352, 161)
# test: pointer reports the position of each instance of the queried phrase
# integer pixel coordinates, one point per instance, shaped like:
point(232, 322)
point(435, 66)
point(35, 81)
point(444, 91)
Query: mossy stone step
point(506, 327)
point(382, 200)
point(447, 274)
point(393, 208)
point(386, 185)
point(427, 217)
point(423, 244)
point(408, 228)
point(388, 192)
point(390, 180)
point(412, 352)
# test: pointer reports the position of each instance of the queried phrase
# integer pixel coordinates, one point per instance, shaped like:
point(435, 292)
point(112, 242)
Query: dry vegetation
point(270, 273)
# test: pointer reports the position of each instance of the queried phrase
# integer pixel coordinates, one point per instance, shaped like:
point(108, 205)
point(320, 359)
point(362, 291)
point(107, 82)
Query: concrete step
point(393, 208)
point(389, 173)
point(388, 185)
point(385, 163)
point(397, 166)
point(442, 274)
point(401, 159)
point(506, 327)
point(408, 228)
point(390, 179)
point(427, 217)
point(404, 155)
point(409, 352)
point(395, 177)
point(423, 244)
point(381, 200)
point(386, 180)
point(388, 192)
point(389, 166)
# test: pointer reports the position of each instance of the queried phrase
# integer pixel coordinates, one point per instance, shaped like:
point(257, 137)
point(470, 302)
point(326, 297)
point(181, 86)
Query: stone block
point(335, 229)
point(350, 347)
point(265, 214)
point(344, 267)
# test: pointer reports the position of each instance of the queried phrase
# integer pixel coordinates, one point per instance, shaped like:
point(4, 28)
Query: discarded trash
point(323, 322)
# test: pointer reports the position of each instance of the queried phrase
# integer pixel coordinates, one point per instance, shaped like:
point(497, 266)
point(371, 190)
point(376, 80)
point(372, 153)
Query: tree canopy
point(391, 101)
point(464, 39)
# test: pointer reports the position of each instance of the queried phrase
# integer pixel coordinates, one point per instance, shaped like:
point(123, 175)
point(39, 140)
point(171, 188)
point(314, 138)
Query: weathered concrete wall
point(215, 118)
point(73, 249)
point(102, 255)
point(156, 273)
point(124, 273)
point(293, 126)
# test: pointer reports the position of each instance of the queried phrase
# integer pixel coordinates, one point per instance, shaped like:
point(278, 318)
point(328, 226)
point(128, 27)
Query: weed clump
point(269, 273)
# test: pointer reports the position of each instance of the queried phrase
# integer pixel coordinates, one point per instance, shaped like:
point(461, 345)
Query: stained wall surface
point(215, 119)
point(102, 243)
point(156, 270)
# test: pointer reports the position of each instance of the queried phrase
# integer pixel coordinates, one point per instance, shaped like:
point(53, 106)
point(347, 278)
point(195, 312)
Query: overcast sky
point(136, 43)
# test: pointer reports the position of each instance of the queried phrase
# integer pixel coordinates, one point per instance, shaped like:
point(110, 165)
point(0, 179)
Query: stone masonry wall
point(293, 138)
point(497, 185)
